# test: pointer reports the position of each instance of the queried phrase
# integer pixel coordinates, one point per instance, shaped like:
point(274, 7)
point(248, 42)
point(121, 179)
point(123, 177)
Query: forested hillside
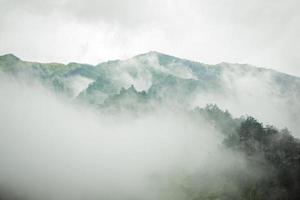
point(150, 127)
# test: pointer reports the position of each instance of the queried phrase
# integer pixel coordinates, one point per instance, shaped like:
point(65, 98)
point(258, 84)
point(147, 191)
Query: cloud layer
point(51, 149)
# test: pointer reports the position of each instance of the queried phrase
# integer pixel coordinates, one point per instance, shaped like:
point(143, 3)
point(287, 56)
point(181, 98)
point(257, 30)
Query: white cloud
point(263, 33)
point(51, 149)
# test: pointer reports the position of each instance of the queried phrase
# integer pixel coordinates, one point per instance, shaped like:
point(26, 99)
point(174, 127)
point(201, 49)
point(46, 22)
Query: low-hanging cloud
point(53, 149)
point(256, 93)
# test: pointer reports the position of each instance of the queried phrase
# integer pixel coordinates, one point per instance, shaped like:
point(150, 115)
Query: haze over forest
point(149, 100)
point(150, 127)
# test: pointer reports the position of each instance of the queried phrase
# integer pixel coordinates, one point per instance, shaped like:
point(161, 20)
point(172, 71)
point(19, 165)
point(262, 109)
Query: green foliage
point(280, 152)
point(273, 152)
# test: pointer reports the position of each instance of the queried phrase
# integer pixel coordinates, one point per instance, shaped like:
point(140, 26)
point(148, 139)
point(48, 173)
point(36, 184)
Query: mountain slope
point(269, 95)
point(146, 132)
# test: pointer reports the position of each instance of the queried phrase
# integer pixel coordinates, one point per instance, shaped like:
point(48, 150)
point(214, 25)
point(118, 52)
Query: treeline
point(274, 152)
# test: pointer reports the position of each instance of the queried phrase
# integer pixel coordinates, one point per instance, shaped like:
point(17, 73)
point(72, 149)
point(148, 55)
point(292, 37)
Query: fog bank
point(51, 148)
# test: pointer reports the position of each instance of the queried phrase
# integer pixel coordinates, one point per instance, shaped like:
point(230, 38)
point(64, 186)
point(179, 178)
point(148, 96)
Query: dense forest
point(275, 152)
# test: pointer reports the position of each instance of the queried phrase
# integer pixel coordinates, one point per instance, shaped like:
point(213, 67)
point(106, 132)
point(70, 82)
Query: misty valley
point(152, 127)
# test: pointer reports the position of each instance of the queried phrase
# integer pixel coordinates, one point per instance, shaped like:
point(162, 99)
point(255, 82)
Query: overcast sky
point(258, 32)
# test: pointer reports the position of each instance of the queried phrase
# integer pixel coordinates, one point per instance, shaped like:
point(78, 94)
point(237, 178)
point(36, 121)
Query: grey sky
point(263, 33)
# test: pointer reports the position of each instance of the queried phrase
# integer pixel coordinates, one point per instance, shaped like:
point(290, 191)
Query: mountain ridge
point(13, 57)
point(170, 81)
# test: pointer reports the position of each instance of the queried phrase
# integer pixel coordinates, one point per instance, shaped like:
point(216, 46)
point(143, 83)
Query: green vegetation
point(274, 152)
point(272, 156)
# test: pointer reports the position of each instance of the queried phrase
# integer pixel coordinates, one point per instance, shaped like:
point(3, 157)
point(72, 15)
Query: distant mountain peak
point(9, 57)
point(153, 53)
point(161, 58)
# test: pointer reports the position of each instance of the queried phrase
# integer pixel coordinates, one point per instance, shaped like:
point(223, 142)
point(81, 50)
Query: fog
point(53, 148)
point(256, 94)
point(244, 89)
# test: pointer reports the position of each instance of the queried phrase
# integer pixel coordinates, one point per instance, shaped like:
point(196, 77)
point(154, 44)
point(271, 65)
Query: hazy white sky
point(259, 32)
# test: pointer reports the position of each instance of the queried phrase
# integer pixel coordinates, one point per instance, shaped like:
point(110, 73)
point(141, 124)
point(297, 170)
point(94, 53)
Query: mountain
point(173, 81)
point(151, 120)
